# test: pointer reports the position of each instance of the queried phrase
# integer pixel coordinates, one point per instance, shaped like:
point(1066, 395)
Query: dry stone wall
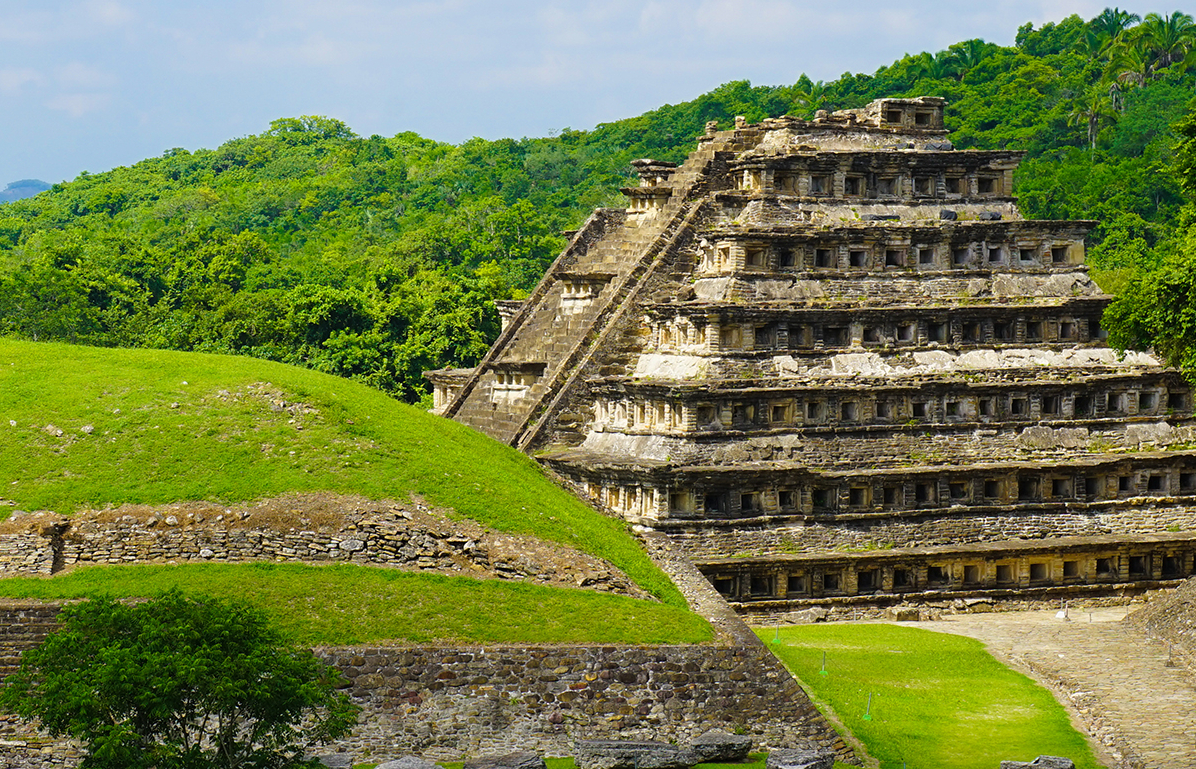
point(454, 702)
point(301, 528)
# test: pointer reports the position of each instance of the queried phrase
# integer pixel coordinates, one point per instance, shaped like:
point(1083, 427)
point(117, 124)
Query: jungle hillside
point(377, 258)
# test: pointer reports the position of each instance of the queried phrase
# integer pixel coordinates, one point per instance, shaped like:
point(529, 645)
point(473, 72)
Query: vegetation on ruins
point(345, 604)
point(377, 258)
point(179, 682)
point(936, 699)
point(90, 426)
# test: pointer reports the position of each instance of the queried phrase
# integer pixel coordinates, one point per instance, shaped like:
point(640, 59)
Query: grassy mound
point(347, 604)
point(84, 426)
point(936, 699)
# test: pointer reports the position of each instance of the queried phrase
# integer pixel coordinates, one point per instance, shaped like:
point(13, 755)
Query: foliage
point(936, 699)
point(165, 426)
point(1156, 308)
point(376, 258)
point(178, 682)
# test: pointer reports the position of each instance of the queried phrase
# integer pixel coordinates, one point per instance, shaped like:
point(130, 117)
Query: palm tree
point(940, 66)
point(968, 54)
point(1092, 109)
point(1129, 64)
point(1112, 22)
point(810, 96)
point(1167, 39)
point(1094, 43)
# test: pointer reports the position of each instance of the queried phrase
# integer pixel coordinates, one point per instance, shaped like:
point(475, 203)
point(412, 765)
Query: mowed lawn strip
point(937, 699)
point(154, 426)
point(347, 604)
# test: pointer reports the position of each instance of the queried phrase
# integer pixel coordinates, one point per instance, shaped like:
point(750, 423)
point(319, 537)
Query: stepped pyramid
point(834, 363)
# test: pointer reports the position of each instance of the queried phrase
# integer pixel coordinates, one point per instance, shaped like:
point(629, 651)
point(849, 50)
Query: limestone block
point(524, 759)
point(1151, 432)
point(717, 746)
point(408, 762)
point(800, 759)
point(1039, 437)
point(627, 754)
point(1042, 762)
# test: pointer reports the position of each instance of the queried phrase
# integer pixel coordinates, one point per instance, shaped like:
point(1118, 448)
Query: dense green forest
point(378, 258)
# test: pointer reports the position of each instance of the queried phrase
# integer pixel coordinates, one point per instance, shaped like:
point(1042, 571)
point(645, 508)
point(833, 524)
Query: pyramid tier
point(752, 493)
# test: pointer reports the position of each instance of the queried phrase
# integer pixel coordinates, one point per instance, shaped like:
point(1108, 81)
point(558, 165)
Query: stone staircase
point(610, 244)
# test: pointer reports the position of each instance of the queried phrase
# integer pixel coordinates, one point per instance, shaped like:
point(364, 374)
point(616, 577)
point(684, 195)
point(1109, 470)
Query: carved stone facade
point(841, 333)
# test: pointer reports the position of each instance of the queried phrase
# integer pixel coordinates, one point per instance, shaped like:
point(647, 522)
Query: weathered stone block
point(717, 746)
point(408, 762)
point(1042, 762)
point(524, 759)
point(626, 754)
point(800, 759)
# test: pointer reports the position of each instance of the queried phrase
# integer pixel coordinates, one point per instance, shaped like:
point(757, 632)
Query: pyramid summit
point(833, 362)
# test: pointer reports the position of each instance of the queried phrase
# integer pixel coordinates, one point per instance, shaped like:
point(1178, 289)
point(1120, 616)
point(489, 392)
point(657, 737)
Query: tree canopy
point(178, 683)
point(376, 258)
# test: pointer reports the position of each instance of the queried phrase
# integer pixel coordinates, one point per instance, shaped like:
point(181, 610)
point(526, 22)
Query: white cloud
point(77, 105)
point(12, 80)
point(109, 13)
point(76, 74)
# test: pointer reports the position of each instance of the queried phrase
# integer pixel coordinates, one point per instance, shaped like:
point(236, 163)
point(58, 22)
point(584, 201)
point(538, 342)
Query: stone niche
point(579, 290)
point(513, 380)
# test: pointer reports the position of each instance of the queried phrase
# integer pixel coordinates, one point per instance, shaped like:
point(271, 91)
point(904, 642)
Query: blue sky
point(94, 84)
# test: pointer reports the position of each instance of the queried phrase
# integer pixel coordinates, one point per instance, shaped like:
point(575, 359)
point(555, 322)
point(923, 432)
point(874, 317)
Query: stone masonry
point(446, 702)
point(300, 528)
point(818, 336)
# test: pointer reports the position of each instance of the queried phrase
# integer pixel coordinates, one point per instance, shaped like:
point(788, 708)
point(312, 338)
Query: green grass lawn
point(153, 426)
point(347, 604)
point(938, 700)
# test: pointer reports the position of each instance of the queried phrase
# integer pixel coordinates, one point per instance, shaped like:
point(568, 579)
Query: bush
point(178, 683)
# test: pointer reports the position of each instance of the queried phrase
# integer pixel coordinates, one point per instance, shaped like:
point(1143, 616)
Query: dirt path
point(1120, 685)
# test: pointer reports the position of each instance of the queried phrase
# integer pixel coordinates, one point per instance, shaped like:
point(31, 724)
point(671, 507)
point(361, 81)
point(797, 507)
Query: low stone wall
point(451, 702)
point(454, 702)
point(314, 528)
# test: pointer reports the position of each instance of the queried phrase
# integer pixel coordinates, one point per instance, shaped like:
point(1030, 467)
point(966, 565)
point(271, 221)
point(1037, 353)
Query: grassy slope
point(162, 432)
point(937, 699)
point(347, 604)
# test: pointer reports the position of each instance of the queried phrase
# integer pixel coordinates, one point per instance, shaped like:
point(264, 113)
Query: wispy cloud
point(109, 13)
point(77, 105)
point(76, 74)
point(13, 80)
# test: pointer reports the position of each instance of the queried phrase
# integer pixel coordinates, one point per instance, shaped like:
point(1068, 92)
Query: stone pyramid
point(834, 363)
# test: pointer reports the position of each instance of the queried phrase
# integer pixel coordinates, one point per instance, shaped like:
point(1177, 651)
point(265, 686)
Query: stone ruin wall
point(706, 541)
point(446, 702)
point(438, 701)
point(299, 529)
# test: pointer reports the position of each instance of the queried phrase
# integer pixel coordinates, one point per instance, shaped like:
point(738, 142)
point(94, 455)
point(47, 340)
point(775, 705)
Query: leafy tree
point(178, 683)
point(310, 245)
point(940, 66)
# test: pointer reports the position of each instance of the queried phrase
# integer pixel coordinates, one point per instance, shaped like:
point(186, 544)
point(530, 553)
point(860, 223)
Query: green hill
point(86, 426)
point(378, 258)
